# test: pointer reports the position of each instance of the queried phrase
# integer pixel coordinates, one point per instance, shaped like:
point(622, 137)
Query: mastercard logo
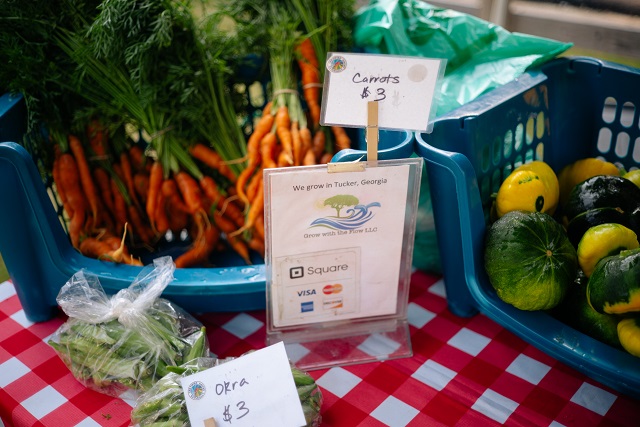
point(332, 289)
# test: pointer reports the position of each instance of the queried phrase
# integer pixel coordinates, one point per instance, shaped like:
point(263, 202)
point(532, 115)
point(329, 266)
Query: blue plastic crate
point(40, 258)
point(571, 108)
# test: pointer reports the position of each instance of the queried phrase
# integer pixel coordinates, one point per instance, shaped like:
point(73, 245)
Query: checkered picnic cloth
point(464, 372)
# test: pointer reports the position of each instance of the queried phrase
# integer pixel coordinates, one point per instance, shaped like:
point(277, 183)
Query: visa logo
point(306, 292)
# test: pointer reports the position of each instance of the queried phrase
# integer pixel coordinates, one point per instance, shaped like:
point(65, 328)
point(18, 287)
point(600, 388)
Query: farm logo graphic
point(337, 64)
point(196, 390)
point(353, 218)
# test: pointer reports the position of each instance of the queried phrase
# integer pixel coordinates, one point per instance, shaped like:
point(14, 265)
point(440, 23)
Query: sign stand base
point(356, 342)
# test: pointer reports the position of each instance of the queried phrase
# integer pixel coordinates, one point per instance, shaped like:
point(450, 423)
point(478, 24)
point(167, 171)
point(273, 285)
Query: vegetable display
point(582, 265)
point(146, 120)
point(164, 404)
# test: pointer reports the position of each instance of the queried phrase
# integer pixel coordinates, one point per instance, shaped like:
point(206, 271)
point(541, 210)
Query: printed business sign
point(336, 243)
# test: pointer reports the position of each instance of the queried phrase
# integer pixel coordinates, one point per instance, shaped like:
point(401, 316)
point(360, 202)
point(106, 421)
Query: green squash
point(575, 311)
point(614, 285)
point(604, 191)
point(529, 260)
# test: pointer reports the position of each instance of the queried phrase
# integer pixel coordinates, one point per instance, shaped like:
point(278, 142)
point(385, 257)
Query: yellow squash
point(633, 176)
point(601, 241)
point(532, 187)
point(629, 335)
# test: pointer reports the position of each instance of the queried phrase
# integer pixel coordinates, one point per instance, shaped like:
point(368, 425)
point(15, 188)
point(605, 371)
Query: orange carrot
point(119, 206)
point(112, 240)
point(210, 189)
point(97, 138)
point(161, 218)
point(326, 158)
point(170, 192)
point(141, 184)
point(86, 180)
point(55, 173)
point(212, 159)
point(252, 188)
point(297, 144)
point(138, 160)
point(76, 200)
point(310, 78)
point(253, 153)
point(191, 192)
point(256, 209)
point(228, 227)
point(342, 140)
point(306, 140)
point(257, 244)
point(109, 248)
point(259, 226)
point(177, 211)
point(94, 248)
point(199, 252)
point(138, 225)
point(155, 184)
point(309, 158)
point(284, 160)
point(267, 150)
point(103, 181)
point(283, 131)
point(178, 219)
point(318, 144)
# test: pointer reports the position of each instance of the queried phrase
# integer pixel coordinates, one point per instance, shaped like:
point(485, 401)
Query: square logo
point(306, 307)
point(296, 272)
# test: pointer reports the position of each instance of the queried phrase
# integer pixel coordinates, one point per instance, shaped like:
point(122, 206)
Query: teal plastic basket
point(40, 257)
point(570, 108)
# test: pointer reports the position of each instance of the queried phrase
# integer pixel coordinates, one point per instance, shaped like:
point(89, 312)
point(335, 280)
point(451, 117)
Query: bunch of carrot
point(286, 134)
point(118, 201)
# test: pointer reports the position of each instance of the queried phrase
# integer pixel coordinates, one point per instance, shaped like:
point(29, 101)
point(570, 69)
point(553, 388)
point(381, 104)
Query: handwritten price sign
point(245, 391)
point(404, 88)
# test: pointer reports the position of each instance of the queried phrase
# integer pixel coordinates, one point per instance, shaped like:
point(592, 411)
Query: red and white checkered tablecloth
point(464, 372)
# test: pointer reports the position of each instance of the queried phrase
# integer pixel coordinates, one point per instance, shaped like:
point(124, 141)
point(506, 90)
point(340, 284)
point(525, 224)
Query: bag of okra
point(125, 342)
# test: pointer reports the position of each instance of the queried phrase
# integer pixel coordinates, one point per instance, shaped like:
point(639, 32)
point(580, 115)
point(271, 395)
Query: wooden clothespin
point(210, 422)
point(372, 131)
point(371, 137)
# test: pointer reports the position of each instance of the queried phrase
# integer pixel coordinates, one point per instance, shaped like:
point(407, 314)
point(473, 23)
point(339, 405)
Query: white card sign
point(403, 87)
point(253, 390)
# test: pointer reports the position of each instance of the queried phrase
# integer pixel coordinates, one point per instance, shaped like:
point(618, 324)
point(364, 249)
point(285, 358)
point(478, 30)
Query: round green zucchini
point(529, 260)
point(602, 191)
point(614, 285)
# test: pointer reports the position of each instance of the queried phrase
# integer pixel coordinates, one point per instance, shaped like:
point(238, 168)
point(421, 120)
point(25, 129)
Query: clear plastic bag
point(124, 342)
point(164, 403)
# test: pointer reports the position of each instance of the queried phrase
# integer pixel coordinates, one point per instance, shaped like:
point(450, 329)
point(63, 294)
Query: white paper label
point(404, 88)
point(336, 243)
point(253, 390)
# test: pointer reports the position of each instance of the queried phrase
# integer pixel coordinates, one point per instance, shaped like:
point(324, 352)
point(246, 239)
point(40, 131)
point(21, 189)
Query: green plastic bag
point(480, 57)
